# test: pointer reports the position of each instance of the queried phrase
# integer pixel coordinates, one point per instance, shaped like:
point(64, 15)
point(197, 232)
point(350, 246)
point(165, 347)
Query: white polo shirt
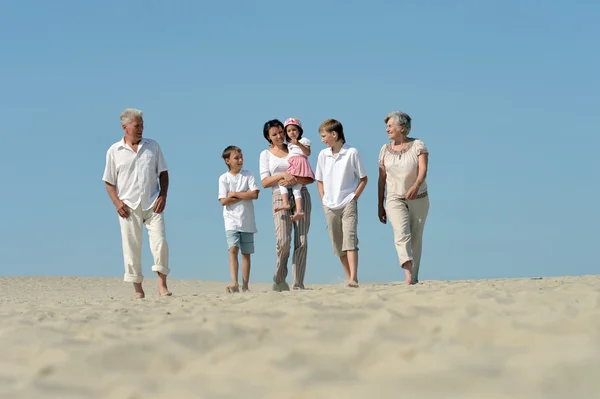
point(340, 175)
point(239, 216)
point(135, 174)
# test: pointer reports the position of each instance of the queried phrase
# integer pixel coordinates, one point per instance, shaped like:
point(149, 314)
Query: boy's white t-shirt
point(340, 175)
point(239, 216)
point(294, 150)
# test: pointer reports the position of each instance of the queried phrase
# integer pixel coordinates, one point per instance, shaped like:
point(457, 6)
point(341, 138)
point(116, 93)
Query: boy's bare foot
point(230, 289)
point(245, 289)
point(353, 284)
point(283, 207)
point(407, 266)
point(139, 291)
point(297, 216)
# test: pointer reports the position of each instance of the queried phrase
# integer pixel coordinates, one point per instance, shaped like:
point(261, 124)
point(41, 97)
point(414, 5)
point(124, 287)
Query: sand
point(79, 337)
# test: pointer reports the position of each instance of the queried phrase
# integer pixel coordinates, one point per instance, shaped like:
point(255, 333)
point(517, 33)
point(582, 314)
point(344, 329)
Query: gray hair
point(401, 119)
point(129, 114)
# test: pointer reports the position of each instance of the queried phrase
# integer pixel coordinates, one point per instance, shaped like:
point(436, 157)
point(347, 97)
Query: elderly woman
point(402, 172)
point(273, 173)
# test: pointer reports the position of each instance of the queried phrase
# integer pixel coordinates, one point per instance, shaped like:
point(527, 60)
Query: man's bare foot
point(297, 216)
point(139, 291)
point(353, 284)
point(162, 285)
point(230, 289)
point(408, 272)
point(284, 207)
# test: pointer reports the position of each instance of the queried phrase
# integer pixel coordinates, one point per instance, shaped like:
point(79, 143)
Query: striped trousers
point(283, 234)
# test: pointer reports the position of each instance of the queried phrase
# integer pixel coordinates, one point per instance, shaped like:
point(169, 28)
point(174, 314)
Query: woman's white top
point(271, 165)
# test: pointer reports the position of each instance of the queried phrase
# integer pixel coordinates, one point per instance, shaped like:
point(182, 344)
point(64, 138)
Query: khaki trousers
point(131, 234)
point(408, 222)
point(343, 228)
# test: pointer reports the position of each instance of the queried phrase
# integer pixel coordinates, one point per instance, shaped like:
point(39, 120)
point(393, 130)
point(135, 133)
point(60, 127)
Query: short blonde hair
point(333, 125)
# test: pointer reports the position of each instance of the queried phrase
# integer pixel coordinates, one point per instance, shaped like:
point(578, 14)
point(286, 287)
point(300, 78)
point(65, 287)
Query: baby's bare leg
point(285, 200)
point(299, 212)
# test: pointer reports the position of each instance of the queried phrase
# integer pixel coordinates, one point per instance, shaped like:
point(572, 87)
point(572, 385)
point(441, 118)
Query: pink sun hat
point(292, 121)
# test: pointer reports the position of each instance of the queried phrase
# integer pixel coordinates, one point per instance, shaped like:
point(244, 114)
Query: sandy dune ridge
point(82, 337)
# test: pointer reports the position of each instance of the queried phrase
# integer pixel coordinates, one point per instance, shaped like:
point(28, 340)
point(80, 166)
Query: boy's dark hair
point(268, 125)
point(332, 125)
point(297, 127)
point(227, 153)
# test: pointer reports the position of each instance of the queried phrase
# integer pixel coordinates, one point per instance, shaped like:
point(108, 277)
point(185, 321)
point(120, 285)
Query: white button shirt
point(135, 174)
point(340, 175)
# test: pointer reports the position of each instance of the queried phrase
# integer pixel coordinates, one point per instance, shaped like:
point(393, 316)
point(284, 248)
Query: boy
point(237, 189)
point(341, 179)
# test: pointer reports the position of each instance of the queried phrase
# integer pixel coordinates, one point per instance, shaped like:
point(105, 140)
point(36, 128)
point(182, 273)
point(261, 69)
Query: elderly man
point(134, 167)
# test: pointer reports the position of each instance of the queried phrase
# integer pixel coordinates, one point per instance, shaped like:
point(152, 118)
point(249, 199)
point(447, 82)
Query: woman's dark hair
point(268, 125)
point(288, 137)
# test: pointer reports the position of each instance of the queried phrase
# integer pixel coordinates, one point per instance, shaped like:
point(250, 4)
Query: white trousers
point(131, 234)
point(408, 222)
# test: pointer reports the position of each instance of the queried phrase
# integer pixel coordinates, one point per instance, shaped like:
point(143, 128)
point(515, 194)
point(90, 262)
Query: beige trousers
point(283, 234)
point(131, 234)
point(343, 228)
point(408, 221)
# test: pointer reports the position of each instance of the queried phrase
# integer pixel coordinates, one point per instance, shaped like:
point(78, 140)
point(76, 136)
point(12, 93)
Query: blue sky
point(504, 94)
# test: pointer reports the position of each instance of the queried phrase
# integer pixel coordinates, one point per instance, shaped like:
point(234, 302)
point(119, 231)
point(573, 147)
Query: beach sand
point(81, 337)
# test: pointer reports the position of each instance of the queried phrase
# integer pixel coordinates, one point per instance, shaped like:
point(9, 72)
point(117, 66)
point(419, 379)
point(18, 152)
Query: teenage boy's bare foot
point(230, 289)
point(245, 288)
point(283, 207)
point(139, 291)
point(162, 285)
point(297, 216)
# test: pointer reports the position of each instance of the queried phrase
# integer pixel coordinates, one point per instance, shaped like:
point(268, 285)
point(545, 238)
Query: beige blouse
point(402, 168)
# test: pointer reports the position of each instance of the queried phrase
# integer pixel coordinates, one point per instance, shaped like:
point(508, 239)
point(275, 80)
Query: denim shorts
point(244, 241)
